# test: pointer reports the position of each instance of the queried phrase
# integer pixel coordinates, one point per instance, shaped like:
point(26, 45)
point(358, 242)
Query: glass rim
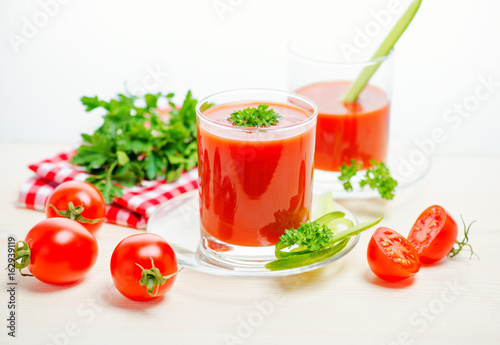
point(303, 57)
point(301, 98)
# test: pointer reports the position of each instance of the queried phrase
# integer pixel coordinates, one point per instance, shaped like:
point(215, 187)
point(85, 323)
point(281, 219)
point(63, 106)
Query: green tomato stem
point(74, 213)
point(463, 243)
point(152, 279)
point(22, 253)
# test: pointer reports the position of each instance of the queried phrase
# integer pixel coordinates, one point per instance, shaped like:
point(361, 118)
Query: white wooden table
point(456, 301)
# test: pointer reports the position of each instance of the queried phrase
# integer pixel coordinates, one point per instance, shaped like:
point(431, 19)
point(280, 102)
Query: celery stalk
point(384, 49)
point(325, 205)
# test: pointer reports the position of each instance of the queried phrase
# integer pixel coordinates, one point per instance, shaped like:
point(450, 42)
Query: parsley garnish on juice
point(316, 241)
point(261, 116)
point(135, 142)
point(378, 177)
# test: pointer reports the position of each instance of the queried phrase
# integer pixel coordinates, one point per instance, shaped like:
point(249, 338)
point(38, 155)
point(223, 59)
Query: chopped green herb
point(136, 143)
point(255, 117)
point(378, 177)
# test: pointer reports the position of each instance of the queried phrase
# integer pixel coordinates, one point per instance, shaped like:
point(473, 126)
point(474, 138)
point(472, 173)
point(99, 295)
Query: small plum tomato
point(57, 251)
point(80, 201)
point(143, 266)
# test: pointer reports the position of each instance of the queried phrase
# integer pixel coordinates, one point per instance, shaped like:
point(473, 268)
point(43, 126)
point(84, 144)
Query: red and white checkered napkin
point(133, 209)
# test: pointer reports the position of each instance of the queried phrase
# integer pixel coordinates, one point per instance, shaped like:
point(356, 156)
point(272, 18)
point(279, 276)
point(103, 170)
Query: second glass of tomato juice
point(254, 181)
point(357, 130)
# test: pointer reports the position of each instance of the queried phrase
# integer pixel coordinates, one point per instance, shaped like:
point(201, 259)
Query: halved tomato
point(391, 256)
point(433, 234)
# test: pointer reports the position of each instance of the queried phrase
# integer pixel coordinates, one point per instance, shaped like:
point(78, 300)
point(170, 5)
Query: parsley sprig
point(261, 116)
point(378, 177)
point(135, 143)
point(311, 235)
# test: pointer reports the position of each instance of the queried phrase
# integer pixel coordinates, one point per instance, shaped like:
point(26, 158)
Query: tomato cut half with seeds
point(433, 234)
point(391, 256)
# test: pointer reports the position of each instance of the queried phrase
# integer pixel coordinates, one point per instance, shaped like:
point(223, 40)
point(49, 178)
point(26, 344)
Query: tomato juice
point(254, 182)
point(347, 131)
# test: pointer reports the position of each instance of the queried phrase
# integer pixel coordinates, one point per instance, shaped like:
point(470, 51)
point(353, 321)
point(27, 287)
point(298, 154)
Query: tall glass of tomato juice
point(254, 182)
point(345, 131)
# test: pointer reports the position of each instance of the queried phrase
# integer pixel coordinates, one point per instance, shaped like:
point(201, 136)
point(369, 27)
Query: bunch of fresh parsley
point(135, 143)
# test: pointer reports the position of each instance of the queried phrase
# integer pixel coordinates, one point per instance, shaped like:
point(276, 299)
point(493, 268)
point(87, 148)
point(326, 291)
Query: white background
point(54, 51)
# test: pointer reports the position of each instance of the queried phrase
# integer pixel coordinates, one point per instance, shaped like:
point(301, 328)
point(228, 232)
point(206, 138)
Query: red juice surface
point(254, 185)
point(358, 131)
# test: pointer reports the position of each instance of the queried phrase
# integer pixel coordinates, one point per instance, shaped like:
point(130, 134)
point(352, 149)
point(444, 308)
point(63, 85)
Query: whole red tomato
point(80, 201)
point(433, 234)
point(61, 251)
point(391, 256)
point(143, 266)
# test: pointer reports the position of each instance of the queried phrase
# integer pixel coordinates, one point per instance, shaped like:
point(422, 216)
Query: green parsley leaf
point(255, 117)
point(378, 177)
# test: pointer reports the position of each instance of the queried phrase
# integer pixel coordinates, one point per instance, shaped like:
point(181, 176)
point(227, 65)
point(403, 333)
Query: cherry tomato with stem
point(433, 234)
point(143, 267)
point(57, 251)
point(80, 201)
point(391, 256)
